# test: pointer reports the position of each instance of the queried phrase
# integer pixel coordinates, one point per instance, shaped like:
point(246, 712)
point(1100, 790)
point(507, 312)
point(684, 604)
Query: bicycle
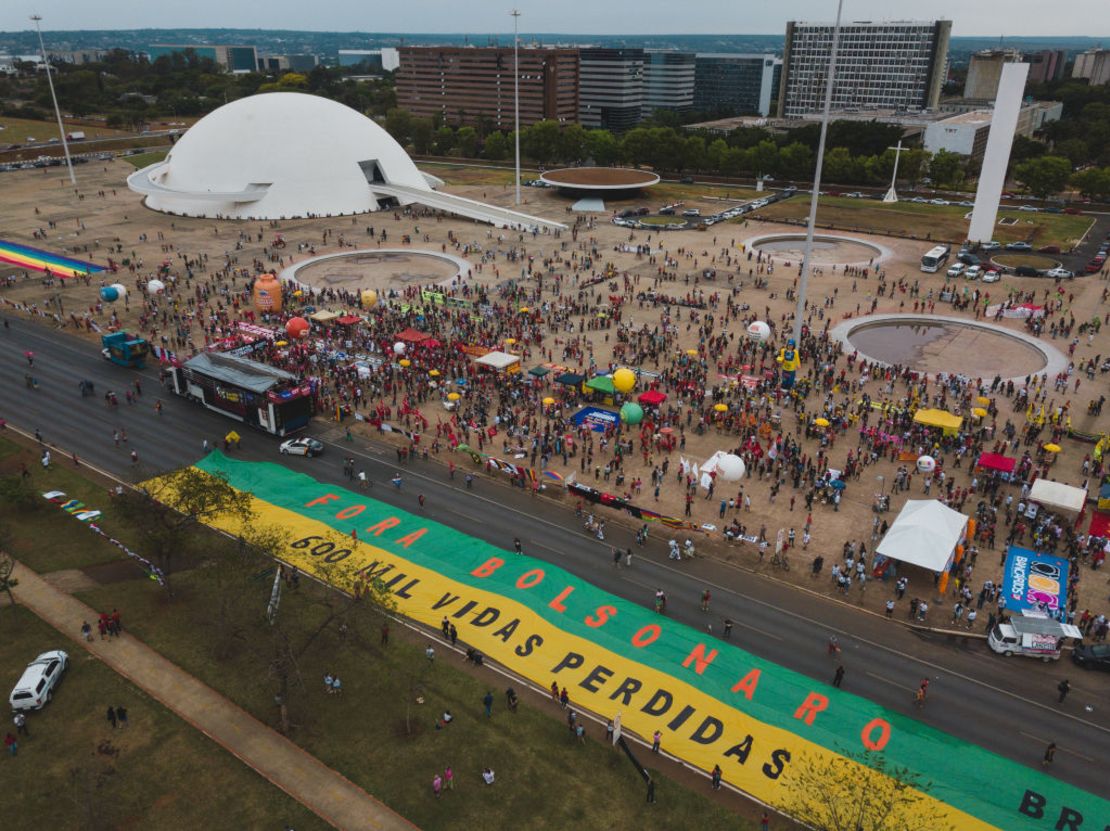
point(779, 561)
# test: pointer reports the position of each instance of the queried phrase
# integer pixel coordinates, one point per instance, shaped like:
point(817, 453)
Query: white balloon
point(121, 288)
point(730, 467)
point(155, 287)
point(759, 331)
point(398, 348)
point(926, 464)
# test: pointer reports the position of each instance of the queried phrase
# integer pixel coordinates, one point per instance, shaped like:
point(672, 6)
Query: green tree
point(496, 147)
point(1093, 183)
point(796, 160)
point(466, 140)
point(1044, 176)
point(573, 144)
point(693, 153)
point(945, 168)
point(1075, 150)
point(398, 123)
point(422, 135)
point(766, 158)
point(540, 141)
point(444, 141)
point(603, 147)
point(636, 146)
point(715, 155)
point(839, 166)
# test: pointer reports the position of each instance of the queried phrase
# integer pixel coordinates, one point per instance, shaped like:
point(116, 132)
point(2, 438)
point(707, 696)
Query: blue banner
point(595, 418)
point(1035, 581)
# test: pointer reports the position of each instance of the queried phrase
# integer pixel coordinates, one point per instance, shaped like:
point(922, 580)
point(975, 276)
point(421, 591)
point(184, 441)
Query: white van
point(1031, 636)
point(36, 686)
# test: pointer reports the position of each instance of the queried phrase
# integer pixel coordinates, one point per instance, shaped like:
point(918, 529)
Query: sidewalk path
point(322, 790)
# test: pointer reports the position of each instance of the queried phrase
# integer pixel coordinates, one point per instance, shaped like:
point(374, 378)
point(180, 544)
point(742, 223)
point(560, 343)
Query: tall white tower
point(1000, 140)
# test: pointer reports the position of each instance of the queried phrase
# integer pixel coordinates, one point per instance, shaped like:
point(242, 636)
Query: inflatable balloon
point(297, 328)
point(267, 294)
point(155, 287)
point(730, 467)
point(369, 298)
point(759, 331)
point(121, 289)
point(632, 413)
point(624, 379)
point(399, 348)
point(926, 464)
point(109, 294)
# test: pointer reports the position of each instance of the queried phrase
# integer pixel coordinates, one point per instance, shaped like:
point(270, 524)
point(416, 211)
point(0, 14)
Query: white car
point(302, 447)
point(939, 202)
point(973, 272)
point(1059, 273)
point(956, 269)
point(991, 276)
point(37, 684)
point(1030, 209)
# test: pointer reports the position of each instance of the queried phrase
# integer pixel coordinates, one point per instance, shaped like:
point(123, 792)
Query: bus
point(256, 394)
point(935, 258)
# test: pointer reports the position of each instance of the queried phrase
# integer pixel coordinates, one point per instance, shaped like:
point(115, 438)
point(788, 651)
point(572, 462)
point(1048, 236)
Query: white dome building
point(284, 155)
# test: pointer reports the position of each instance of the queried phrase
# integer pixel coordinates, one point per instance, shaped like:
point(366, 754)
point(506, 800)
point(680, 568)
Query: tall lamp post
point(516, 96)
point(57, 112)
point(799, 315)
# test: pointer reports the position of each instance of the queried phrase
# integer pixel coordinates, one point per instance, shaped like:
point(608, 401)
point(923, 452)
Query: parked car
point(1072, 211)
point(955, 270)
point(305, 446)
point(920, 200)
point(641, 211)
point(991, 276)
point(966, 204)
point(973, 272)
point(686, 180)
point(691, 212)
point(1026, 271)
point(1021, 245)
point(969, 259)
point(854, 195)
point(1029, 209)
point(1059, 273)
point(993, 245)
point(667, 211)
point(1049, 249)
point(37, 684)
point(939, 202)
point(1092, 656)
point(1094, 266)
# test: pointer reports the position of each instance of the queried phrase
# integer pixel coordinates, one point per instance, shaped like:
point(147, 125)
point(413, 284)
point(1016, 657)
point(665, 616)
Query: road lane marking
point(888, 681)
point(1062, 749)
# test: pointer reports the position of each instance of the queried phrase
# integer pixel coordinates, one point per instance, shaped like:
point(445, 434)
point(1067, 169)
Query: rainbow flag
point(38, 260)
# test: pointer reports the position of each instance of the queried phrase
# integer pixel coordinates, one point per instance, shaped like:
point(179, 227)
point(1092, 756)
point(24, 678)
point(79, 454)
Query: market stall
point(942, 419)
point(500, 362)
point(925, 533)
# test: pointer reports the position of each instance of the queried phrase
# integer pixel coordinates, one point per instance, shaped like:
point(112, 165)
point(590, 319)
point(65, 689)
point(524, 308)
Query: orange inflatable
point(267, 294)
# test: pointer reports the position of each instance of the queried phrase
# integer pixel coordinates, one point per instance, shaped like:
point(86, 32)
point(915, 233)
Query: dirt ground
point(104, 216)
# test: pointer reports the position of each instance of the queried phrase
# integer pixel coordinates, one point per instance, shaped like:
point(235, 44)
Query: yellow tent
point(943, 419)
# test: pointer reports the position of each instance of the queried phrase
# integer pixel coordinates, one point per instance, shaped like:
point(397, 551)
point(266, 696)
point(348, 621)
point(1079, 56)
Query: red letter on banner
point(699, 659)
point(601, 616)
point(814, 704)
point(884, 734)
point(378, 528)
point(488, 567)
point(748, 683)
point(350, 511)
point(530, 578)
point(557, 603)
point(647, 635)
point(409, 539)
point(322, 500)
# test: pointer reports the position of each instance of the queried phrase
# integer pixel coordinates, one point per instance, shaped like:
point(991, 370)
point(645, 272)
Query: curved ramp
point(469, 208)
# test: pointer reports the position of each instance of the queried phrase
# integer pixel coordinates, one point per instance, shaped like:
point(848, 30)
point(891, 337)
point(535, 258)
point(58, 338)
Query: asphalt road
point(1006, 705)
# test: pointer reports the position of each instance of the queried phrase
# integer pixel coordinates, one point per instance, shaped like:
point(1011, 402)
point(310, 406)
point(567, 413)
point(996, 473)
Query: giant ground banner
point(713, 702)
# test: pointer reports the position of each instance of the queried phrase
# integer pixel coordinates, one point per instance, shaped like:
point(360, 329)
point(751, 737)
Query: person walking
point(20, 722)
point(1049, 754)
point(728, 629)
point(121, 716)
point(716, 778)
point(12, 743)
point(838, 678)
point(449, 778)
point(487, 700)
point(1064, 687)
point(112, 717)
point(437, 785)
point(656, 740)
point(705, 600)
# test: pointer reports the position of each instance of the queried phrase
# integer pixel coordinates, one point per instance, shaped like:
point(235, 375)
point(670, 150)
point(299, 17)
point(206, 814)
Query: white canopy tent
point(925, 534)
point(1058, 495)
point(498, 360)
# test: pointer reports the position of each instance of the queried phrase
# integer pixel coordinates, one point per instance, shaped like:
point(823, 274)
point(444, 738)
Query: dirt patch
point(600, 177)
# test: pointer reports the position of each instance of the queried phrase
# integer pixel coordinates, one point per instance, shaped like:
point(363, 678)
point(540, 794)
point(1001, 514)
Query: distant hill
point(281, 41)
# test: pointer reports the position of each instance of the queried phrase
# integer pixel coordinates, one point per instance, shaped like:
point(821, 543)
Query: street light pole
point(803, 282)
point(57, 112)
point(516, 95)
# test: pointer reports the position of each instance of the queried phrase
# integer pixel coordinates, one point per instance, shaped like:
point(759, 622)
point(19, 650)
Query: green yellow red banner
point(714, 703)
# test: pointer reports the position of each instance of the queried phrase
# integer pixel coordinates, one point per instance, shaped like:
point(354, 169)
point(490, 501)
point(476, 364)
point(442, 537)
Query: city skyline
point(1003, 18)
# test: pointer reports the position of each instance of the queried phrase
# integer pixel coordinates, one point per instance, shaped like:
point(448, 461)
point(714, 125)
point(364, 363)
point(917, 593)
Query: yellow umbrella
point(547, 402)
point(405, 362)
point(453, 396)
point(510, 341)
point(821, 422)
point(979, 412)
point(982, 399)
point(434, 373)
point(524, 310)
point(281, 343)
point(1053, 448)
point(721, 408)
point(693, 353)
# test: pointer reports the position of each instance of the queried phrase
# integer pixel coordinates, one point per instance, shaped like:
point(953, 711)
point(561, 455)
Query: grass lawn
point(45, 537)
point(18, 130)
point(157, 773)
point(1016, 260)
point(663, 221)
point(934, 222)
point(545, 778)
point(457, 174)
point(667, 192)
point(143, 159)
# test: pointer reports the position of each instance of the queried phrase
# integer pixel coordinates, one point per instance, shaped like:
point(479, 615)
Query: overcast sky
point(970, 17)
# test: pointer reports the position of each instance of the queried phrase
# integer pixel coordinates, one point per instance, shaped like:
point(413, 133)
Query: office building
point(895, 64)
point(376, 60)
point(729, 85)
point(287, 63)
point(1094, 65)
point(984, 71)
point(966, 132)
point(668, 81)
point(468, 86)
point(1046, 66)
point(610, 88)
point(231, 58)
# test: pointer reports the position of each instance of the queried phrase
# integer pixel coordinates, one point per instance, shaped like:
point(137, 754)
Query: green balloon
point(632, 413)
